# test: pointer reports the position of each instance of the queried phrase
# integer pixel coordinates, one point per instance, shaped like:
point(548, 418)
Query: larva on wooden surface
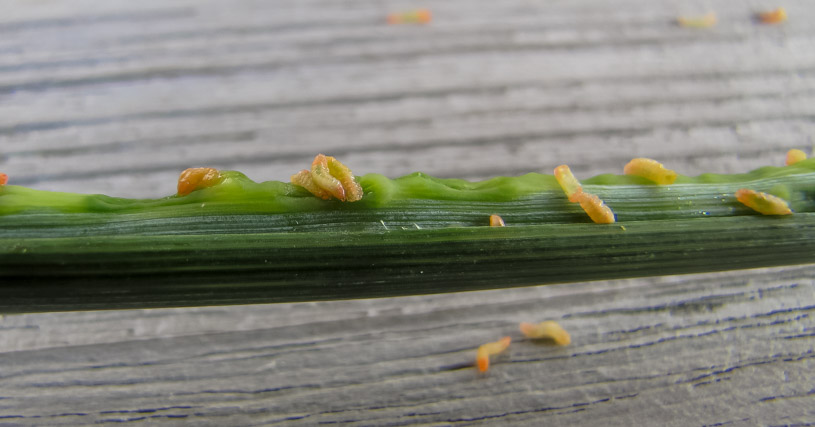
point(598, 211)
point(418, 16)
point(794, 156)
point(548, 329)
point(482, 358)
point(570, 185)
point(705, 21)
point(197, 178)
point(776, 16)
point(496, 221)
point(763, 203)
point(651, 170)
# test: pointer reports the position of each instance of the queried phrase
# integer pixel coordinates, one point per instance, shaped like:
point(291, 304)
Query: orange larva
point(303, 179)
point(484, 352)
point(568, 182)
point(548, 329)
point(353, 191)
point(794, 156)
point(651, 170)
point(418, 16)
point(595, 208)
point(329, 178)
point(323, 178)
point(705, 21)
point(197, 178)
point(496, 221)
point(773, 17)
point(763, 203)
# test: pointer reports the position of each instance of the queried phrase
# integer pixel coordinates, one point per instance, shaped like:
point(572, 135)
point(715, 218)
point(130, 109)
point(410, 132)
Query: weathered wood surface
point(117, 97)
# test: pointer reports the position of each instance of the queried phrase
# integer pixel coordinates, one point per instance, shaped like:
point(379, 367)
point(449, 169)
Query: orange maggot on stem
point(598, 211)
point(303, 179)
point(197, 178)
point(763, 203)
point(353, 191)
point(321, 175)
point(651, 170)
point(496, 221)
point(568, 182)
point(794, 156)
point(594, 207)
point(329, 178)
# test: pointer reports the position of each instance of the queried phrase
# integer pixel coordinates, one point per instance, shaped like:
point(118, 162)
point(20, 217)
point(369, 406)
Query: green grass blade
point(248, 242)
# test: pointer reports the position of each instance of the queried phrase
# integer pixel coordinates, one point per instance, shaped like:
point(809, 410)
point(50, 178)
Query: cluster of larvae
point(656, 172)
point(329, 179)
point(548, 330)
point(709, 19)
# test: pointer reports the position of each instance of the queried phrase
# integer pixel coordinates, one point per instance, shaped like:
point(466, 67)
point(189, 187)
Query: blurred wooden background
point(118, 97)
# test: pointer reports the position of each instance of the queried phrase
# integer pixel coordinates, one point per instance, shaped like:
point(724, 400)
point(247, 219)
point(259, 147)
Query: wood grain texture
point(118, 97)
point(685, 350)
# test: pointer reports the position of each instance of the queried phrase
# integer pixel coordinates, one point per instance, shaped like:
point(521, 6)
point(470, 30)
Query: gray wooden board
point(703, 349)
point(117, 97)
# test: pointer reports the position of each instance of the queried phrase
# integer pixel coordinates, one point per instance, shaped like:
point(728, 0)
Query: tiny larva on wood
point(548, 329)
point(484, 352)
point(774, 16)
point(705, 21)
point(418, 16)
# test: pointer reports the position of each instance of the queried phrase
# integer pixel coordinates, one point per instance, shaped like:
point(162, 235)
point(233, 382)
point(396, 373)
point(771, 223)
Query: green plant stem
point(246, 242)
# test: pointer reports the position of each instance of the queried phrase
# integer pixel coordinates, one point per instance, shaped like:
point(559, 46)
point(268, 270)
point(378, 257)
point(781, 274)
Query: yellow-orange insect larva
point(773, 17)
point(794, 156)
point(595, 208)
point(353, 191)
point(705, 21)
point(418, 16)
point(496, 221)
point(329, 178)
point(303, 179)
point(3, 179)
point(548, 329)
point(482, 358)
point(568, 182)
point(323, 178)
point(763, 203)
point(651, 170)
point(197, 178)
